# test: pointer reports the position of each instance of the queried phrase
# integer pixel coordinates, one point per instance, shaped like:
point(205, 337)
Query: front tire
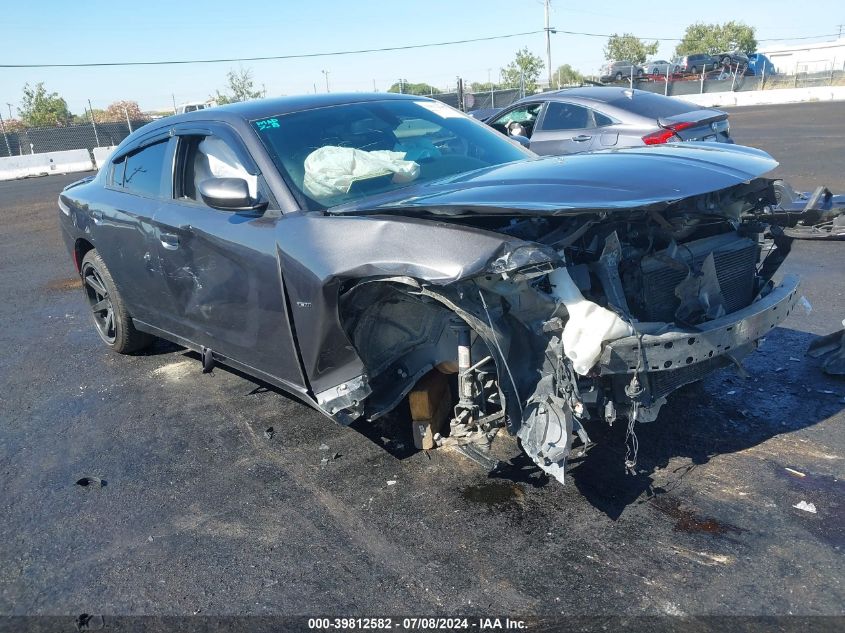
point(108, 311)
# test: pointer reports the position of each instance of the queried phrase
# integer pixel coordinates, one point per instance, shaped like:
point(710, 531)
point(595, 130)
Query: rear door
point(135, 185)
point(564, 128)
point(221, 267)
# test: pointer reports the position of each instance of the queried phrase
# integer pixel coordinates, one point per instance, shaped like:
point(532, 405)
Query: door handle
point(581, 138)
point(169, 241)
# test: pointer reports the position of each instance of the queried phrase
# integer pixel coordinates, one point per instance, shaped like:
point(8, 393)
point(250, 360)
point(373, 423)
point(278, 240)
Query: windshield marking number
point(267, 124)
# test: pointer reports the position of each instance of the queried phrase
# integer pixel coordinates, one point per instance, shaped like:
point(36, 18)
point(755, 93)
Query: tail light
point(668, 133)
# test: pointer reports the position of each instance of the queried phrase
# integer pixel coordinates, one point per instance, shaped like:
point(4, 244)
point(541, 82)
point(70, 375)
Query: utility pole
point(837, 37)
point(548, 44)
point(10, 111)
point(173, 96)
point(326, 74)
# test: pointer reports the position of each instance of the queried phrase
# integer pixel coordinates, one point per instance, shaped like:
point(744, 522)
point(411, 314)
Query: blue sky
point(97, 31)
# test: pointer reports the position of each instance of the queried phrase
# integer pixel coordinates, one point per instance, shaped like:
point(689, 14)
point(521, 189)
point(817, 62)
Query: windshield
point(336, 154)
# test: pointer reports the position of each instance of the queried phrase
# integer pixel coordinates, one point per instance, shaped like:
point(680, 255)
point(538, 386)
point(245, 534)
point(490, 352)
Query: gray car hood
point(563, 185)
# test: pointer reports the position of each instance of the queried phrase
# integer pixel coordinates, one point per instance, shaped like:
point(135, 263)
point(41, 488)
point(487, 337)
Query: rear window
point(651, 105)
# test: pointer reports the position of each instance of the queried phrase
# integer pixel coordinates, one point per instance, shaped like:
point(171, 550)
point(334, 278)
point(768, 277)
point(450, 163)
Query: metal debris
point(832, 348)
point(269, 432)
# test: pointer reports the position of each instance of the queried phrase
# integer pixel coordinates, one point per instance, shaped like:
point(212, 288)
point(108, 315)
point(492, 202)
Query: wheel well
point(80, 249)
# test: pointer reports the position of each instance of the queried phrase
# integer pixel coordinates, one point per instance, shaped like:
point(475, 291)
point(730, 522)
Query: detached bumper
point(684, 355)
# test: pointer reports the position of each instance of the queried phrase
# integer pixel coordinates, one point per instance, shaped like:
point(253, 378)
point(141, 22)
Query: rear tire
point(108, 310)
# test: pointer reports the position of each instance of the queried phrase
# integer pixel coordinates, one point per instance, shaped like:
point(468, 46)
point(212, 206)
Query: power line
point(369, 50)
point(273, 57)
point(678, 39)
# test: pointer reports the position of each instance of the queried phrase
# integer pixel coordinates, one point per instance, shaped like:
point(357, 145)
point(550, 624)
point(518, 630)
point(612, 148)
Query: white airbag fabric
point(331, 170)
point(589, 324)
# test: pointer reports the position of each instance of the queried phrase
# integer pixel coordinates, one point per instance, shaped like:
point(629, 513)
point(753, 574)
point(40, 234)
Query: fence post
point(666, 87)
point(763, 78)
point(93, 123)
point(5, 138)
point(128, 122)
point(701, 88)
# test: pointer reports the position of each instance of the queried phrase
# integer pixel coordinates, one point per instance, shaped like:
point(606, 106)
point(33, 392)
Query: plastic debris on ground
point(806, 507)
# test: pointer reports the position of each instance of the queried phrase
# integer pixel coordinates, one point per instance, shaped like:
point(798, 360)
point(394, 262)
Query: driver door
point(221, 266)
point(519, 120)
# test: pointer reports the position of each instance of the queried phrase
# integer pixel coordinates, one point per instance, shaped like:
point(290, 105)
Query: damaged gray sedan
point(345, 247)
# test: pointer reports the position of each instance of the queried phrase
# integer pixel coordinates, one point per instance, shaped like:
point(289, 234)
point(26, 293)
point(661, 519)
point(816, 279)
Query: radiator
point(735, 258)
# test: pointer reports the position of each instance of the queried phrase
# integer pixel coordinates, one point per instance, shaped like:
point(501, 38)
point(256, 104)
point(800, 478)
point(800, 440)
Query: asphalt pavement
point(204, 510)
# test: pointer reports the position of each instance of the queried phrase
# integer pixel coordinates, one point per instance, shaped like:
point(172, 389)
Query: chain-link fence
point(732, 80)
point(38, 140)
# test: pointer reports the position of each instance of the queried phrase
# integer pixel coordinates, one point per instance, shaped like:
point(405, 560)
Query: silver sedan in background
point(659, 67)
point(617, 71)
point(592, 118)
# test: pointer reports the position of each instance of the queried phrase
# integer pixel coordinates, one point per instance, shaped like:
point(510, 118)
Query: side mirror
point(230, 194)
point(522, 140)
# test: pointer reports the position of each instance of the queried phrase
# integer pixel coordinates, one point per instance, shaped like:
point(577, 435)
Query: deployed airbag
point(589, 325)
point(331, 170)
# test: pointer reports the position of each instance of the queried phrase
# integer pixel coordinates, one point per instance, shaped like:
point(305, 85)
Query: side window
point(518, 121)
point(566, 116)
point(602, 120)
point(140, 173)
point(204, 157)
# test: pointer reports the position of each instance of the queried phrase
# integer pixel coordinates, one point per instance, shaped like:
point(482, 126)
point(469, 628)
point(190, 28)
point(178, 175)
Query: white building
point(807, 58)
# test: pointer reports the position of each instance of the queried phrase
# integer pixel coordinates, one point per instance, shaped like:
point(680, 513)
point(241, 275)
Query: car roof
point(602, 94)
point(260, 108)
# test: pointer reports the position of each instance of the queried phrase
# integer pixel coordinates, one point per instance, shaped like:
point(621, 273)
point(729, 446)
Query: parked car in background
point(279, 237)
point(617, 71)
point(583, 119)
point(694, 64)
point(659, 67)
point(759, 64)
point(193, 106)
point(733, 58)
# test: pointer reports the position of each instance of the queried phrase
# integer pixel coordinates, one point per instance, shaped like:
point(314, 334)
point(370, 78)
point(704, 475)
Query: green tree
point(241, 87)
point(408, 88)
point(717, 38)
point(477, 86)
point(628, 48)
point(566, 75)
point(42, 108)
point(524, 71)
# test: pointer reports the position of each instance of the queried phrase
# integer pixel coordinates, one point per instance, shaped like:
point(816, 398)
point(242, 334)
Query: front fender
point(319, 254)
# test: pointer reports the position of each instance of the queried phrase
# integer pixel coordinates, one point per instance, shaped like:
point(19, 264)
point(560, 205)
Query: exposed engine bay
point(599, 320)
